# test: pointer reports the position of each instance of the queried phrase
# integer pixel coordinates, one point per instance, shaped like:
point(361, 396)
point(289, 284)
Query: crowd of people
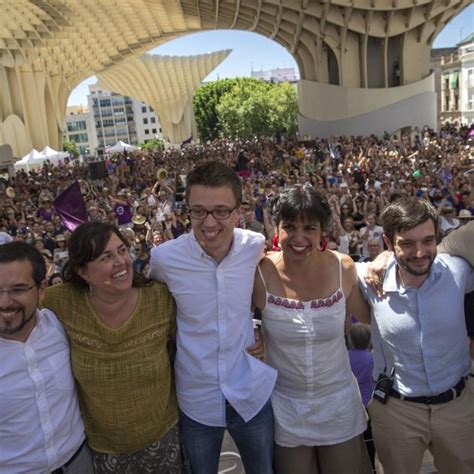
point(152, 301)
point(144, 192)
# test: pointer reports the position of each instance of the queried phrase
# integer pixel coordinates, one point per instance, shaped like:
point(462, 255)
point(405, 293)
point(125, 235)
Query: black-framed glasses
point(220, 213)
point(17, 291)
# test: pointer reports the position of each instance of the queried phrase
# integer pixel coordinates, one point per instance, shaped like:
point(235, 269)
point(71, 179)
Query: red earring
point(323, 244)
point(275, 243)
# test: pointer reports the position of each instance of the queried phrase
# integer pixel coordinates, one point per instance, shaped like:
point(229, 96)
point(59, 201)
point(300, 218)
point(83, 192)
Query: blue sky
point(253, 51)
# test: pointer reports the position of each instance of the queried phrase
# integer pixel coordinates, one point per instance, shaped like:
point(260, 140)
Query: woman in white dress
point(303, 293)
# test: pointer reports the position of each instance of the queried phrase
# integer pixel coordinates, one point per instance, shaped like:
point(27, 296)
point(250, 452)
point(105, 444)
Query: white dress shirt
point(40, 423)
point(214, 327)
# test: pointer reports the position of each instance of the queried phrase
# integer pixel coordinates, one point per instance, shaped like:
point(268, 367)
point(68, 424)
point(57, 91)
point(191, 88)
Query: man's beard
point(10, 330)
point(405, 264)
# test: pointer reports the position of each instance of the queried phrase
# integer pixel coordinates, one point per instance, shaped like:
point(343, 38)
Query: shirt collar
point(199, 251)
point(391, 283)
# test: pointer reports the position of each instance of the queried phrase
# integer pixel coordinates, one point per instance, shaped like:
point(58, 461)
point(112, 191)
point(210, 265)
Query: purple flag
point(70, 207)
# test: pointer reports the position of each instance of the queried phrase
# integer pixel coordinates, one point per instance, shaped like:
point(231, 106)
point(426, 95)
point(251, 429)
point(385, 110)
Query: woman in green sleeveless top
point(119, 325)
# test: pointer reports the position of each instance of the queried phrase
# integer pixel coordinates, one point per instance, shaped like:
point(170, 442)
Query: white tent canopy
point(54, 155)
point(29, 161)
point(119, 147)
point(33, 155)
point(35, 159)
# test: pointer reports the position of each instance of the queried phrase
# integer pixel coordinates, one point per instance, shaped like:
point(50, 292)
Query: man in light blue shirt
point(210, 274)
point(424, 398)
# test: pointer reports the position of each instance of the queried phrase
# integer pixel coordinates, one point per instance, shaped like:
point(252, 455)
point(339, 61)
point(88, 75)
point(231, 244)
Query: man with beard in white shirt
point(423, 396)
point(41, 429)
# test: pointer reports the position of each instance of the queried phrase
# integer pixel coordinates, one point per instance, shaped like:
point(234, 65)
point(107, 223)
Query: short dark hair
point(52, 277)
point(301, 201)
point(87, 242)
point(21, 251)
point(215, 174)
point(359, 336)
point(405, 214)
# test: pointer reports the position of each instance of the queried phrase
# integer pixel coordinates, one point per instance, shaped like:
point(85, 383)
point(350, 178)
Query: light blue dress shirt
point(214, 327)
point(421, 332)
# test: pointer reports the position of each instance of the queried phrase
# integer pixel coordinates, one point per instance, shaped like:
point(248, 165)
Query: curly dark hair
point(301, 201)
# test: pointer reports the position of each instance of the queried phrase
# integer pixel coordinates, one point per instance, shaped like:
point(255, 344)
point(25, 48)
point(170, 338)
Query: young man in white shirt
point(210, 274)
point(41, 429)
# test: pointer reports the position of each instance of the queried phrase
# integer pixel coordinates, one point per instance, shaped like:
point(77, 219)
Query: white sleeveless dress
point(316, 399)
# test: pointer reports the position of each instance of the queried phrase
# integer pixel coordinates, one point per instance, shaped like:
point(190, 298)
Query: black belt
point(444, 397)
point(59, 470)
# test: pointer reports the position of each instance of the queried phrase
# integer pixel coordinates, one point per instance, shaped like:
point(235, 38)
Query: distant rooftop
point(77, 109)
point(438, 52)
point(466, 40)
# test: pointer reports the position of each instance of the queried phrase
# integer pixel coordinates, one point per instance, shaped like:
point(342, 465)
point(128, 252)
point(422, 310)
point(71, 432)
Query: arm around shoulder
point(259, 288)
point(356, 305)
point(460, 243)
point(156, 271)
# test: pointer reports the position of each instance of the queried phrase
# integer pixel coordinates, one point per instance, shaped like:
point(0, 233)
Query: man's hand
point(258, 349)
point(376, 272)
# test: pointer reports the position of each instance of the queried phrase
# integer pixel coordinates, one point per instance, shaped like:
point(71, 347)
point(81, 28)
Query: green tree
point(205, 102)
point(152, 145)
point(245, 107)
point(283, 108)
point(243, 110)
point(71, 147)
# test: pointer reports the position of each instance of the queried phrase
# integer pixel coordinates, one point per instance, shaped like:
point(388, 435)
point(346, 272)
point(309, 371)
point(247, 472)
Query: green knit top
point(123, 376)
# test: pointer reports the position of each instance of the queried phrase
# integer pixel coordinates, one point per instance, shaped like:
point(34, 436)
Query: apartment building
point(79, 128)
point(108, 118)
point(454, 81)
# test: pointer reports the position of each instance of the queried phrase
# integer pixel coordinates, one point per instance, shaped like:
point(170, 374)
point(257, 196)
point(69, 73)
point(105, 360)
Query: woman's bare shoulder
point(346, 262)
point(349, 271)
point(270, 259)
point(268, 263)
